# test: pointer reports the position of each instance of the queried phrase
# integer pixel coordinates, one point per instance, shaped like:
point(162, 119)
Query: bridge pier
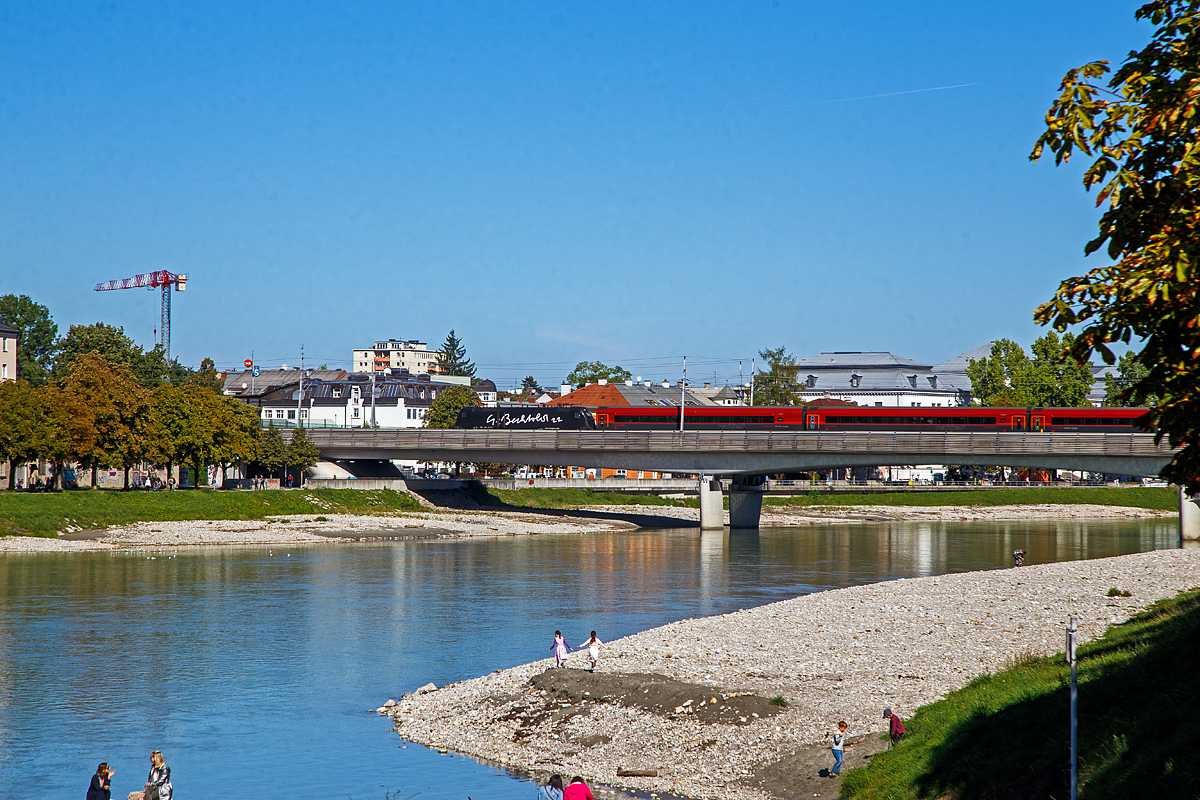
point(745, 500)
point(1189, 516)
point(712, 508)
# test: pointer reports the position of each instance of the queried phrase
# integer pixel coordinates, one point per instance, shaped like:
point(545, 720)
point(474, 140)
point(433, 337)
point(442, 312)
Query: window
point(304, 413)
point(291, 413)
point(356, 409)
point(337, 391)
point(855, 380)
point(912, 381)
point(355, 393)
point(5, 375)
point(811, 380)
point(6, 345)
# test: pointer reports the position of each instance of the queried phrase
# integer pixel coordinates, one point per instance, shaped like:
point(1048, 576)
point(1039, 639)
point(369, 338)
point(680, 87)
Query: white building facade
point(876, 379)
point(396, 355)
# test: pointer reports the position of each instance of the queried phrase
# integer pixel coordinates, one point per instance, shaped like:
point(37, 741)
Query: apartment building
point(396, 354)
point(8, 352)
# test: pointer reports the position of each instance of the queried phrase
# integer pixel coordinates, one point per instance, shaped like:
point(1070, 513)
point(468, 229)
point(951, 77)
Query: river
point(254, 669)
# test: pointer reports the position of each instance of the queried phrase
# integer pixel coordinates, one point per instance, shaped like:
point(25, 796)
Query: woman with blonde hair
point(158, 783)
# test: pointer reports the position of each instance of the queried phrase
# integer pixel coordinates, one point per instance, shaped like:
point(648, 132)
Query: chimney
point(629, 381)
point(707, 385)
point(647, 384)
point(603, 381)
point(666, 384)
point(564, 389)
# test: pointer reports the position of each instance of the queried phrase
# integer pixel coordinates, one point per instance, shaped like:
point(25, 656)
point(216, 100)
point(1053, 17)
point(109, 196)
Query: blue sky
point(628, 182)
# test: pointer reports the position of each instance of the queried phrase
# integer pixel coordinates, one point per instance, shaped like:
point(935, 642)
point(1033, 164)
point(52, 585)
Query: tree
point(194, 425)
point(208, 377)
point(107, 341)
point(272, 450)
point(36, 344)
point(586, 372)
point(452, 358)
point(153, 370)
point(1129, 371)
point(777, 385)
point(111, 421)
point(301, 452)
point(530, 385)
point(443, 411)
point(1007, 376)
point(1142, 133)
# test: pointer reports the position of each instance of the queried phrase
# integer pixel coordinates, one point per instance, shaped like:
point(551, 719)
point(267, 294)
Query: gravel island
point(685, 708)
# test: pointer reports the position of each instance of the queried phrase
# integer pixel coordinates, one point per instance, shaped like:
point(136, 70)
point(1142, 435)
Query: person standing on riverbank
point(578, 790)
point(895, 728)
point(838, 749)
point(560, 648)
point(593, 645)
point(158, 782)
point(553, 790)
point(101, 787)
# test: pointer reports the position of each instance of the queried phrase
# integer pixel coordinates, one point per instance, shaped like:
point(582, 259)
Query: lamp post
point(1073, 629)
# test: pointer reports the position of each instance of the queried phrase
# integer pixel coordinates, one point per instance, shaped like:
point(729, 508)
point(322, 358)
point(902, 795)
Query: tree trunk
point(58, 475)
point(93, 476)
point(127, 477)
point(12, 474)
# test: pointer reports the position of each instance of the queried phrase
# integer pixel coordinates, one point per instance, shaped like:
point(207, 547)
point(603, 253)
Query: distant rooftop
point(850, 360)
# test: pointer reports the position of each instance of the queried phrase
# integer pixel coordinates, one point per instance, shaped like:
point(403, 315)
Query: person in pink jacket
point(560, 648)
point(577, 790)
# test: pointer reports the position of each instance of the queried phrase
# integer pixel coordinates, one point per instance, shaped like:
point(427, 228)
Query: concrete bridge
point(747, 456)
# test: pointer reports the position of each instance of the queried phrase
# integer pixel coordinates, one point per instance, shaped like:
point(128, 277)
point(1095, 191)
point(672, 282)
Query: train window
point(913, 420)
point(1091, 421)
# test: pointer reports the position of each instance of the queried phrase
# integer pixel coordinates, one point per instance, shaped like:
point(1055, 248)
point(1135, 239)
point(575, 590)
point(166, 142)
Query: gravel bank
point(308, 529)
point(840, 654)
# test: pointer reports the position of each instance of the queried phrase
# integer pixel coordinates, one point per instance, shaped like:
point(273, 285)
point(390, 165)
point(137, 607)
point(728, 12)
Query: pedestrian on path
point(101, 787)
point(895, 729)
point(578, 790)
point(560, 648)
point(837, 748)
point(553, 790)
point(593, 645)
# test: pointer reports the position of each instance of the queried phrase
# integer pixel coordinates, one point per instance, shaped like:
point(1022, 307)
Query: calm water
point(253, 669)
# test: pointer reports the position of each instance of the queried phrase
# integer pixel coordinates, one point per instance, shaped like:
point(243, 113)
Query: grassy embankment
point(1156, 498)
point(1007, 734)
point(44, 514)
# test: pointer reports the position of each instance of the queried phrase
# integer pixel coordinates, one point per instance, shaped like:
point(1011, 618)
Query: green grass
point(1166, 499)
point(1007, 735)
point(24, 514)
point(573, 498)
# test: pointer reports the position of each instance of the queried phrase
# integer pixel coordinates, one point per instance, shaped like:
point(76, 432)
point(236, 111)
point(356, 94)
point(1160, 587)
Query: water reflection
point(253, 668)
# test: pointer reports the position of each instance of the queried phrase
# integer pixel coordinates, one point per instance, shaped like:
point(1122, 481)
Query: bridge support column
point(1189, 516)
point(745, 500)
point(712, 508)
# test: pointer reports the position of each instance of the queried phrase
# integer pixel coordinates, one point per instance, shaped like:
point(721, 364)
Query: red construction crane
point(153, 280)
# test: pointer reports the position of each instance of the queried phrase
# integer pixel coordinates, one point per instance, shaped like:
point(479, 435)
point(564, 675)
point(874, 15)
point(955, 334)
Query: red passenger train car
point(867, 418)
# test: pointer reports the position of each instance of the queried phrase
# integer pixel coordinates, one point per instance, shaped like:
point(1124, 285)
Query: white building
point(876, 379)
point(8, 352)
point(349, 403)
point(396, 354)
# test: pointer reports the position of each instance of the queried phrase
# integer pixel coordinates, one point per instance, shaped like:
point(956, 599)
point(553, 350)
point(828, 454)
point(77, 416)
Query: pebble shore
point(838, 654)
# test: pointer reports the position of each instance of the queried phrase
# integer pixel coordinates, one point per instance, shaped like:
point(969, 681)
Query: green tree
point(36, 344)
point(302, 453)
point(586, 372)
point(105, 340)
point(1130, 371)
point(452, 358)
point(153, 370)
point(194, 425)
point(1057, 380)
point(1141, 132)
point(208, 377)
point(777, 384)
point(530, 385)
point(1001, 378)
point(272, 450)
point(35, 422)
point(443, 411)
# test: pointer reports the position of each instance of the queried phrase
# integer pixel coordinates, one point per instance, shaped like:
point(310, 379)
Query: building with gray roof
point(875, 378)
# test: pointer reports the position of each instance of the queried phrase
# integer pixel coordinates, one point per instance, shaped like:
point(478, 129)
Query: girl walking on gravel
point(593, 645)
point(560, 648)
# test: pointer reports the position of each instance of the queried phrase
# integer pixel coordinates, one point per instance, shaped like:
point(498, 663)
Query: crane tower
point(153, 280)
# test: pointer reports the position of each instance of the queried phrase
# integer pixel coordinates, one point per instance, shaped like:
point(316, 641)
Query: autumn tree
point(452, 358)
point(586, 372)
point(443, 411)
point(112, 419)
point(36, 342)
point(777, 385)
point(1140, 131)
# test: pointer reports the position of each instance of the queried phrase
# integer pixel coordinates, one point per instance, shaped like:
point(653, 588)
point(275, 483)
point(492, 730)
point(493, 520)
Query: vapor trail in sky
point(885, 94)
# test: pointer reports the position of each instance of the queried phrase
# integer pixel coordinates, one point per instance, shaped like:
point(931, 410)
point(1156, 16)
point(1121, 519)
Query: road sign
point(255, 373)
point(248, 363)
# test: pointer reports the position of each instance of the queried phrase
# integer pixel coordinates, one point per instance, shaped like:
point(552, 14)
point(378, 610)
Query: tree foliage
point(110, 415)
point(301, 452)
point(36, 344)
point(777, 385)
point(443, 411)
point(1129, 371)
point(529, 384)
point(114, 345)
point(272, 450)
point(586, 372)
point(452, 358)
point(1008, 376)
point(1141, 131)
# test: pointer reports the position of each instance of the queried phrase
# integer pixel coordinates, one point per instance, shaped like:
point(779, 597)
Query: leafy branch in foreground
point(1143, 134)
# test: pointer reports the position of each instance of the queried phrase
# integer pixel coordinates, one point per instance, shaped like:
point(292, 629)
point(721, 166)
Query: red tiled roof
point(593, 396)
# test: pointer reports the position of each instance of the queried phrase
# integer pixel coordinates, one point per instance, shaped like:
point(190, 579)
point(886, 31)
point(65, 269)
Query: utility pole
point(741, 384)
point(300, 394)
point(683, 393)
point(752, 382)
point(1072, 629)
point(373, 425)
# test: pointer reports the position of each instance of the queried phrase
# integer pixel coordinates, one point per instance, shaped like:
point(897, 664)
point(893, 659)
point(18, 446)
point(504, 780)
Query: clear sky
point(628, 182)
